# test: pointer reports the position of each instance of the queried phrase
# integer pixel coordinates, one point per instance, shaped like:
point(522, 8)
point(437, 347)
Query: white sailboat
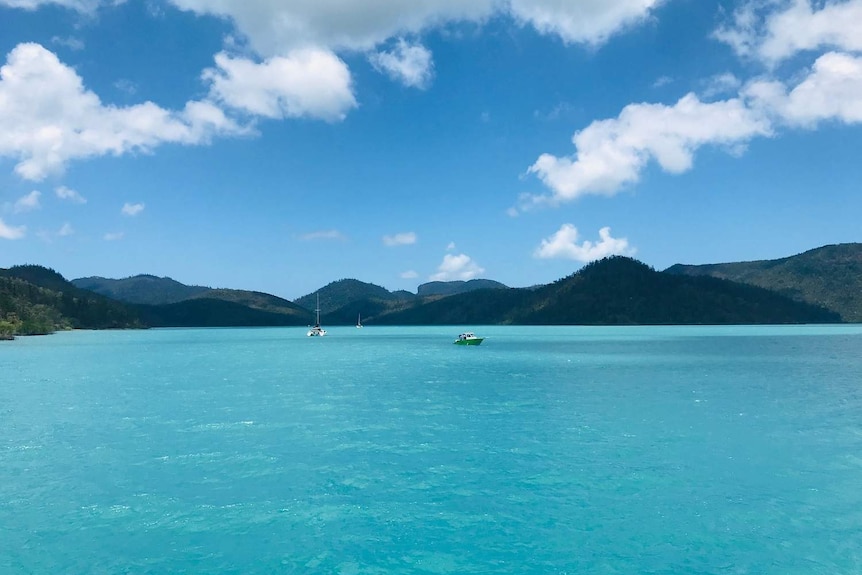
point(317, 331)
point(359, 320)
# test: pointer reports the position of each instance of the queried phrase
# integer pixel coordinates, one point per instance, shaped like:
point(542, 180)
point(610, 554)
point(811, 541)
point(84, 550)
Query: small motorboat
point(469, 338)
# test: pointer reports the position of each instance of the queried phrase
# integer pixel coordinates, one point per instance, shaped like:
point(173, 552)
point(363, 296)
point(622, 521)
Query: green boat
point(469, 338)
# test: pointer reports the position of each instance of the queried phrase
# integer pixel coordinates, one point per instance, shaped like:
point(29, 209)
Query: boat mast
point(318, 311)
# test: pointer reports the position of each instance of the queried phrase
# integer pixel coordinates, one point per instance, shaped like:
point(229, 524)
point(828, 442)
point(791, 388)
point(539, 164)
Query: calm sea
point(547, 450)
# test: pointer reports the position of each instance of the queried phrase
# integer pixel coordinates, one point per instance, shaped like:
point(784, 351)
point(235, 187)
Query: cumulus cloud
point(582, 21)
point(48, 118)
point(275, 27)
point(410, 64)
point(564, 245)
point(402, 239)
point(612, 153)
point(8, 232)
point(309, 83)
point(775, 31)
point(69, 195)
point(323, 235)
point(457, 267)
point(131, 209)
point(831, 91)
point(27, 203)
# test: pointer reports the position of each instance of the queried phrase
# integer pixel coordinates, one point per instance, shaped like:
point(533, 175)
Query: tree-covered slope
point(259, 301)
point(144, 288)
point(207, 312)
point(456, 287)
point(830, 276)
point(344, 292)
point(616, 291)
point(45, 301)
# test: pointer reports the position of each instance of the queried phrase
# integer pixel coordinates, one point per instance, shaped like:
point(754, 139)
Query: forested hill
point(830, 276)
point(617, 291)
point(38, 300)
point(144, 288)
point(344, 292)
point(613, 291)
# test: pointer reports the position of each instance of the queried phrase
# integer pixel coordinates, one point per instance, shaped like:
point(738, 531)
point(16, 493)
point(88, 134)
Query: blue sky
point(279, 145)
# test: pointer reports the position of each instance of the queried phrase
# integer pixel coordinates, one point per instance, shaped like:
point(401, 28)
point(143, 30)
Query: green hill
point(339, 294)
point(261, 302)
point(43, 301)
point(830, 276)
point(456, 287)
point(208, 312)
point(616, 291)
point(144, 288)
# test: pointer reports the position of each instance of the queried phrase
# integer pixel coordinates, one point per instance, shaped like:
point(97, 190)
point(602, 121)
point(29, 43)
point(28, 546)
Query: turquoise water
point(688, 450)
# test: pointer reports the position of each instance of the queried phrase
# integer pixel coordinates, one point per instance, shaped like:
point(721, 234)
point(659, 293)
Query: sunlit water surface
point(685, 450)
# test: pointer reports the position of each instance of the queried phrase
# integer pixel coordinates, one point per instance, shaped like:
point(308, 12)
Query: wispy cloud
point(457, 267)
point(409, 275)
point(28, 203)
point(410, 64)
point(131, 210)
point(65, 230)
point(8, 232)
point(564, 245)
point(71, 195)
point(69, 42)
point(402, 239)
point(323, 235)
point(113, 236)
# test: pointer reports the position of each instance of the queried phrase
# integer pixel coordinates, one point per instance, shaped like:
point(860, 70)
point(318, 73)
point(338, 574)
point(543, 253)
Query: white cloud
point(65, 230)
point(612, 153)
point(113, 236)
point(323, 235)
point(774, 31)
point(79, 5)
point(587, 21)
point(409, 275)
point(8, 232)
point(309, 83)
point(564, 245)
point(28, 203)
point(832, 91)
point(131, 209)
point(450, 246)
point(69, 194)
point(457, 267)
point(276, 27)
point(48, 118)
point(402, 239)
point(410, 64)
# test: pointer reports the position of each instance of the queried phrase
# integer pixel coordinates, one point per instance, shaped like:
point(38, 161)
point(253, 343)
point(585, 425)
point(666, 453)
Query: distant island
point(823, 285)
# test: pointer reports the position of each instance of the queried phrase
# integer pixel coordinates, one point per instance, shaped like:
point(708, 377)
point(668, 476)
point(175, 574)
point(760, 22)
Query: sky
point(279, 145)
